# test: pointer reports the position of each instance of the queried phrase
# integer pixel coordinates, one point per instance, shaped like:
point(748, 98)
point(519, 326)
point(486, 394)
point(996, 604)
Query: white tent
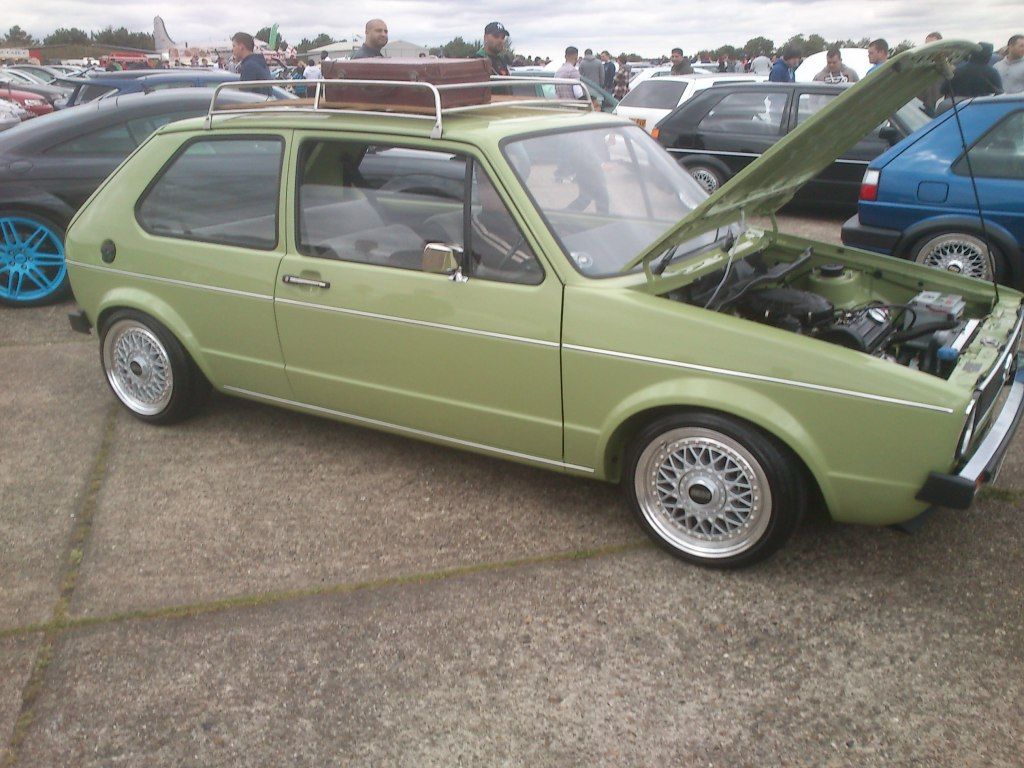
point(343, 49)
point(854, 58)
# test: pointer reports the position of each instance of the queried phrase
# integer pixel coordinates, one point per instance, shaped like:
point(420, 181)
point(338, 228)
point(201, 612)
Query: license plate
point(639, 121)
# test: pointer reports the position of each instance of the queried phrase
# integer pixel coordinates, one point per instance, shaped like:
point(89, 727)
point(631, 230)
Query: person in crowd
point(568, 71)
point(680, 63)
point(493, 48)
point(975, 77)
point(835, 71)
point(299, 73)
point(784, 69)
point(251, 66)
point(931, 95)
point(620, 85)
point(591, 68)
point(374, 42)
point(609, 71)
point(761, 65)
point(312, 71)
point(878, 53)
point(1011, 68)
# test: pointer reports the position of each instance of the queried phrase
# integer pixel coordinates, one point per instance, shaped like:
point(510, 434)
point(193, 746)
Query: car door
point(742, 125)
point(997, 160)
point(371, 335)
point(840, 182)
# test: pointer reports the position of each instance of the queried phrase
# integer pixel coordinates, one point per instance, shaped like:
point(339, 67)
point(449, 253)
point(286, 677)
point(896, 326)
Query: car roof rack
point(436, 113)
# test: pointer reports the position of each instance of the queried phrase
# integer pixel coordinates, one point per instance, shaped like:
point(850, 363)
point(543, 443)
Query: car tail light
point(869, 185)
point(656, 133)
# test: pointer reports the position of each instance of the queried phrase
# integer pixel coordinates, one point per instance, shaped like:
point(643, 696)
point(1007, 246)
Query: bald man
point(376, 39)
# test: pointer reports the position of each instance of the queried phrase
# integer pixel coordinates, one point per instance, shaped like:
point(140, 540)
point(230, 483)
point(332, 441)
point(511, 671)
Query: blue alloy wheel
point(32, 268)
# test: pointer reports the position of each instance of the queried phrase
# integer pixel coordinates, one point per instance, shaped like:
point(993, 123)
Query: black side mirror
point(890, 134)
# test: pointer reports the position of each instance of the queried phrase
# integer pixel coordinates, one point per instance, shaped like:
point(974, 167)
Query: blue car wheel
point(32, 268)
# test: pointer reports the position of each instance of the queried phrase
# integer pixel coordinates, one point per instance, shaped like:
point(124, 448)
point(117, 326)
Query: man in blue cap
point(493, 49)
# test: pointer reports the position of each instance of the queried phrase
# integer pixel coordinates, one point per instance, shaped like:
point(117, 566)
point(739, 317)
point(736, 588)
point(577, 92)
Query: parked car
point(54, 96)
point(724, 129)
point(11, 114)
point(147, 81)
point(917, 200)
point(605, 101)
point(648, 102)
point(48, 168)
point(45, 74)
point(33, 103)
point(582, 306)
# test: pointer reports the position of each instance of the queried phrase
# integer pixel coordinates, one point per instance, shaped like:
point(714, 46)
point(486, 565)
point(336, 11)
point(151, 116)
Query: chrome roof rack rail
point(282, 105)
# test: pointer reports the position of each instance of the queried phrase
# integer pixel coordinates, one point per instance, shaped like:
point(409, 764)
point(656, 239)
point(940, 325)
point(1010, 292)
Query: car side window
point(757, 113)
point(999, 154)
point(218, 191)
point(113, 140)
point(141, 127)
point(382, 205)
point(810, 104)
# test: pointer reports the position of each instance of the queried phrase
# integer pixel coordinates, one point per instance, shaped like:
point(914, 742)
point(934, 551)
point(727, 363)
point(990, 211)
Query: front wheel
point(709, 177)
point(712, 490)
point(32, 268)
point(148, 370)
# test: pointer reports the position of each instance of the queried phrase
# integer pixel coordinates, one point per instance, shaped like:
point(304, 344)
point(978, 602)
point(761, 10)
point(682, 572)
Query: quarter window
point(115, 140)
point(218, 191)
point(1000, 153)
point(755, 113)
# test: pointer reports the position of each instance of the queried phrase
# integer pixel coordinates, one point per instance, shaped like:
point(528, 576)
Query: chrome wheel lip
point(729, 465)
point(138, 367)
point(961, 254)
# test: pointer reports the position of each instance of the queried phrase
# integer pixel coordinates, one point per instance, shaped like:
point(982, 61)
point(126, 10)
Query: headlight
point(34, 102)
point(968, 434)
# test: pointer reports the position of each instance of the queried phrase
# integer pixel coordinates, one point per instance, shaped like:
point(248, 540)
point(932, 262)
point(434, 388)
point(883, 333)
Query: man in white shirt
point(313, 71)
point(1011, 68)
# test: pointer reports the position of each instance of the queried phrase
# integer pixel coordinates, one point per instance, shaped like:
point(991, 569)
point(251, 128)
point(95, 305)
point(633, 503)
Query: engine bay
point(834, 303)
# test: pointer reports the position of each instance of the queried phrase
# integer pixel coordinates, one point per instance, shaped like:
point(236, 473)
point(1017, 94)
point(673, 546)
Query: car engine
point(926, 333)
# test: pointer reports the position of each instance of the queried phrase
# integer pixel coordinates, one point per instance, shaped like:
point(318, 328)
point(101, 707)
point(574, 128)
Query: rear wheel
point(32, 268)
point(712, 490)
point(961, 253)
point(148, 370)
point(709, 177)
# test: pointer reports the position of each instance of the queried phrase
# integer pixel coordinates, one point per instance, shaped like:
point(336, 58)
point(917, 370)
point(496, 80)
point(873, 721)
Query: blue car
point(917, 202)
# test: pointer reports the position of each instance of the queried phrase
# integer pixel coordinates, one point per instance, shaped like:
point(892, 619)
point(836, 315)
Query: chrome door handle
point(296, 280)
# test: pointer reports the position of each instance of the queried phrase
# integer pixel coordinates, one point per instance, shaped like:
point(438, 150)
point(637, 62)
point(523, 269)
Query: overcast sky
point(545, 28)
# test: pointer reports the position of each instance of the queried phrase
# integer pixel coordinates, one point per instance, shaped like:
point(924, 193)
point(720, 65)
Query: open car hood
point(770, 182)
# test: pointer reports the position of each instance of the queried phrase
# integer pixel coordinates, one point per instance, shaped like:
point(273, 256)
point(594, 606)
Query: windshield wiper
point(729, 240)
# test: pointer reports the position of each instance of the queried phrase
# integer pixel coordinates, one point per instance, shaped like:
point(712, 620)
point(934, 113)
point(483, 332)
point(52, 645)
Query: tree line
point(457, 47)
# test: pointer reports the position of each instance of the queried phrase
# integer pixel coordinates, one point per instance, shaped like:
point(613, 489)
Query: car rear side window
point(999, 154)
point(113, 140)
point(218, 191)
point(758, 113)
point(663, 94)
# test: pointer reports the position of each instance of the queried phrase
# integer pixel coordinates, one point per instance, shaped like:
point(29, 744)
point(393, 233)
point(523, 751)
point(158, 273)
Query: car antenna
point(974, 184)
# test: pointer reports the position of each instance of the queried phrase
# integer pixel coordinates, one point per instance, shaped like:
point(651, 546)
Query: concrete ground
point(255, 587)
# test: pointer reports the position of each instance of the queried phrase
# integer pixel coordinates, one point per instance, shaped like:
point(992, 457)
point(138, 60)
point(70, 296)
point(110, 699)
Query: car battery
point(932, 306)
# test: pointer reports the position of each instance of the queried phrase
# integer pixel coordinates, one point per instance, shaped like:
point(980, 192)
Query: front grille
point(991, 387)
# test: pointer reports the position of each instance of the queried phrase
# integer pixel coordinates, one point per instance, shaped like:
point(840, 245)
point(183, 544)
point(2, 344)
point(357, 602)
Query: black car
point(107, 84)
point(49, 166)
point(721, 130)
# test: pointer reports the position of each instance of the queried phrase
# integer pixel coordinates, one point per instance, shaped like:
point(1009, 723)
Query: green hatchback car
point(542, 283)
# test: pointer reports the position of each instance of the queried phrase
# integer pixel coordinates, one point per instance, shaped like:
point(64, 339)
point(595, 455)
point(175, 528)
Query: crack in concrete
point(73, 557)
point(260, 599)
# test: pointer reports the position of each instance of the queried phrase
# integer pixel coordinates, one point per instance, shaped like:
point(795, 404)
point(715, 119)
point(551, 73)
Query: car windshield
point(607, 193)
point(655, 94)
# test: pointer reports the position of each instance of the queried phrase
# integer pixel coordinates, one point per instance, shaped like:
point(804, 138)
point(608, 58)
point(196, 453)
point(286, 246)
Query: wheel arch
point(159, 310)
point(756, 412)
point(999, 235)
point(40, 203)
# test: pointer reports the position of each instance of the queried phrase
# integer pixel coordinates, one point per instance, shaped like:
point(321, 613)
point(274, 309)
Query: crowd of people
point(986, 72)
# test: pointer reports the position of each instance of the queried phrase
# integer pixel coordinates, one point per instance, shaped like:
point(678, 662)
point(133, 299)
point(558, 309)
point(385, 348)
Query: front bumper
point(958, 491)
point(857, 235)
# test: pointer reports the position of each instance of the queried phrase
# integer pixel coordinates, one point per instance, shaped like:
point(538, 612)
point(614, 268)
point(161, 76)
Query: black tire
point(148, 370)
point(959, 252)
point(55, 291)
point(744, 494)
point(708, 176)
